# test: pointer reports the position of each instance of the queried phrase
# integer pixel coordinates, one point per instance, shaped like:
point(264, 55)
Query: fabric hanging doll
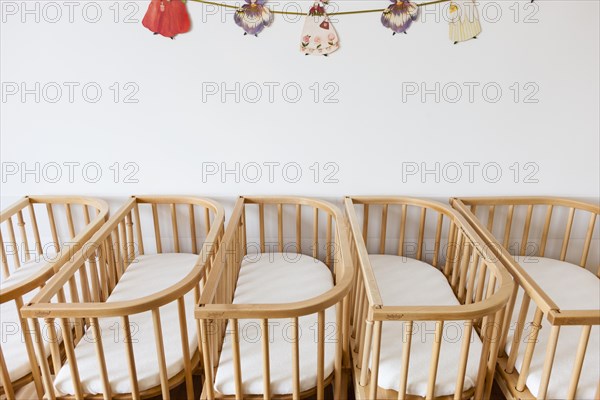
point(253, 17)
point(400, 15)
point(318, 35)
point(464, 21)
point(167, 17)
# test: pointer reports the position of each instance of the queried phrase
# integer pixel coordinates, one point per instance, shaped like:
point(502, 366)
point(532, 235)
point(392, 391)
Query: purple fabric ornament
point(400, 15)
point(253, 17)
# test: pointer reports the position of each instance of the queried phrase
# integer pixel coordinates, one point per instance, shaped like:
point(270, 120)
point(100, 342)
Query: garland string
point(214, 3)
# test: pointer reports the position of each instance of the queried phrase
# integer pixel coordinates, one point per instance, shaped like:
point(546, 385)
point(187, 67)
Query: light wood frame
point(482, 214)
point(329, 243)
point(101, 263)
point(92, 212)
point(482, 306)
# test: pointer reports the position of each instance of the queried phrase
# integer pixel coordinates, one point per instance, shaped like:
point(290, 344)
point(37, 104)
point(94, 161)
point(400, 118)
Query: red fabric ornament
point(167, 17)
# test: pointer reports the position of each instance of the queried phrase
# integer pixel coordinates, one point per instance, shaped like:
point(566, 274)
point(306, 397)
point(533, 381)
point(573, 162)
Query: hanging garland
point(170, 18)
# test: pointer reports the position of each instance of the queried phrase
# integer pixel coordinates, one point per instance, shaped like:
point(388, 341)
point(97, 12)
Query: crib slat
point(459, 248)
point(565, 244)
point(95, 326)
point(375, 360)
point(365, 222)
point(70, 351)
point(490, 221)
point(299, 228)
point(295, 360)
point(5, 269)
point(237, 371)
point(321, 356)
point(192, 217)
point(42, 359)
point(207, 359)
point(514, 348)
point(34, 228)
point(185, 348)
point(588, 240)
point(316, 233)
point(451, 248)
point(531, 342)
point(261, 220)
point(280, 227)
point(366, 349)
point(510, 307)
point(402, 230)
point(545, 231)
point(340, 345)
point(23, 232)
point(13, 243)
point(5, 378)
point(462, 363)
point(123, 243)
point(160, 351)
point(384, 214)
point(328, 244)
point(421, 233)
point(438, 239)
point(156, 228)
point(579, 358)
point(406, 343)
point(135, 391)
point(86, 215)
point(29, 347)
point(493, 354)
point(70, 220)
point(548, 361)
point(465, 264)
point(53, 341)
point(435, 357)
point(266, 360)
point(130, 238)
point(526, 230)
point(471, 283)
point(175, 230)
point(486, 338)
point(138, 228)
point(96, 292)
point(508, 225)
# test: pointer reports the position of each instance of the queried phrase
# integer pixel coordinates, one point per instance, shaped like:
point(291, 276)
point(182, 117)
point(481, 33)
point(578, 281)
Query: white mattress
point(13, 343)
point(278, 278)
point(571, 288)
point(147, 274)
point(409, 282)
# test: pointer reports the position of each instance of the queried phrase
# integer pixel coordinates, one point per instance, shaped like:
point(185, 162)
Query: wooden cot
point(422, 274)
point(551, 341)
point(271, 278)
point(50, 229)
point(129, 332)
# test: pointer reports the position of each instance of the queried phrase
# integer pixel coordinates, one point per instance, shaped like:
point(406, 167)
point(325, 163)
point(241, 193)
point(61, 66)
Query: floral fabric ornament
point(318, 35)
point(253, 17)
point(167, 17)
point(464, 21)
point(400, 15)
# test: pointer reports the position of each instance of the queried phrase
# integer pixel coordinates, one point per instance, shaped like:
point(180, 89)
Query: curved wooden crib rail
point(215, 302)
point(482, 303)
point(108, 254)
point(48, 236)
point(483, 214)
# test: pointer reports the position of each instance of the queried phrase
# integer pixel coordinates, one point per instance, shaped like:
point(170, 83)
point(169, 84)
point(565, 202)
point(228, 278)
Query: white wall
point(371, 135)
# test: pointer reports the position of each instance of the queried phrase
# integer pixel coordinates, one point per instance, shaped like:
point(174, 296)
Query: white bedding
point(147, 274)
point(278, 278)
point(409, 282)
point(571, 288)
point(13, 343)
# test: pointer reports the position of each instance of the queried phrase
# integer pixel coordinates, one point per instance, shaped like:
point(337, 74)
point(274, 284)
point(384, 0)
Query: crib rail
point(216, 314)
point(93, 273)
point(569, 225)
point(443, 239)
point(50, 229)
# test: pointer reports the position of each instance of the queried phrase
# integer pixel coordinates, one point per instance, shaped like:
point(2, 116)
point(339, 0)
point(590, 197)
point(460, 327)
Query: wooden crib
point(50, 229)
point(128, 328)
point(550, 346)
point(292, 270)
point(428, 302)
